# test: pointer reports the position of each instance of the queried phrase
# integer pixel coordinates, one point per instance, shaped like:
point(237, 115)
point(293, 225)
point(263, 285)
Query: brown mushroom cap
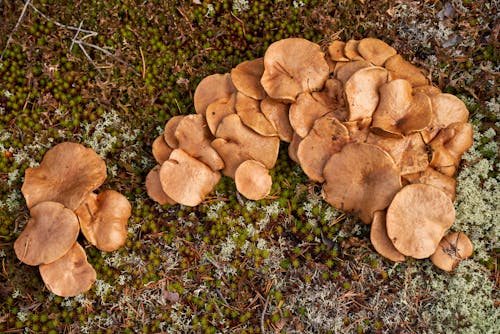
point(346, 70)
point(375, 50)
point(294, 147)
point(187, 180)
point(211, 89)
point(154, 189)
point(417, 219)
point(253, 180)
point(401, 69)
point(305, 111)
point(169, 133)
point(351, 50)
point(50, 233)
point(359, 130)
point(70, 275)
point(361, 178)
point(380, 241)
point(103, 219)
point(326, 137)
point(336, 51)
point(236, 143)
point(195, 137)
point(361, 91)
point(453, 248)
point(293, 66)
point(161, 151)
point(436, 179)
point(399, 112)
point(277, 113)
point(219, 109)
point(67, 173)
point(246, 78)
point(249, 111)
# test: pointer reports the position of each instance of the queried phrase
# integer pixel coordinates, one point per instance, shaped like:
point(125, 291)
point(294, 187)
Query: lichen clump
point(358, 118)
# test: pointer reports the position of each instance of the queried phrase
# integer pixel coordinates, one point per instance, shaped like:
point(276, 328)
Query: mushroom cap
point(68, 172)
point(195, 137)
point(361, 91)
point(169, 133)
point(294, 147)
point(161, 151)
point(305, 111)
point(253, 180)
point(344, 71)
point(336, 51)
point(427, 89)
point(236, 143)
point(70, 275)
point(154, 189)
point(417, 219)
point(327, 136)
point(402, 69)
point(249, 111)
point(375, 50)
point(50, 233)
point(219, 109)
point(211, 89)
point(361, 178)
point(359, 130)
point(246, 78)
point(399, 112)
point(351, 50)
point(103, 219)
point(187, 180)
point(380, 241)
point(277, 114)
point(436, 179)
point(453, 248)
point(293, 66)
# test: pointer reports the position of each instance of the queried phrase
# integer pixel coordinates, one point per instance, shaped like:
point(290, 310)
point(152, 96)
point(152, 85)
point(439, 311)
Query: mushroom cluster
point(367, 124)
point(60, 196)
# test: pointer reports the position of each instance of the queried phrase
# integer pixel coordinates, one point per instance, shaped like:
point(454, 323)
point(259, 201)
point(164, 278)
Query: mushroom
point(417, 219)
point(294, 147)
point(380, 241)
point(361, 178)
point(103, 219)
point(359, 130)
point(195, 139)
point(293, 66)
point(154, 189)
point(361, 91)
point(453, 248)
point(67, 173)
point(351, 50)
point(211, 89)
point(169, 133)
point(246, 78)
point(399, 112)
point(51, 231)
point(434, 178)
point(252, 180)
point(401, 69)
point(305, 111)
point(249, 111)
point(219, 109)
point(69, 275)
point(336, 51)
point(327, 136)
point(277, 113)
point(346, 70)
point(187, 180)
point(161, 150)
point(375, 50)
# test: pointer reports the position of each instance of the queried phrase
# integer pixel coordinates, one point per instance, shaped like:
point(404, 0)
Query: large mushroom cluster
point(60, 196)
point(367, 124)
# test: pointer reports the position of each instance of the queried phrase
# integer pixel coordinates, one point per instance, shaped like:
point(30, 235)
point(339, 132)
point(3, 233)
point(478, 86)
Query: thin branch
point(262, 316)
point(15, 27)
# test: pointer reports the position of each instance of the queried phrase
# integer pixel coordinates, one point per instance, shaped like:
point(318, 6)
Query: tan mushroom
point(252, 180)
point(161, 150)
point(187, 180)
point(294, 147)
point(399, 112)
point(418, 218)
point(67, 173)
point(375, 50)
point(103, 219)
point(346, 70)
point(359, 130)
point(211, 89)
point(380, 241)
point(70, 275)
point(327, 136)
point(351, 50)
point(250, 114)
point(305, 111)
point(154, 188)
point(362, 178)
point(195, 139)
point(361, 91)
point(427, 89)
point(219, 109)
point(336, 51)
point(293, 66)
point(436, 179)
point(277, 113)
point(246, 78)
point(169, 133)
point(51, 231)
point(453, 248)
point(402, 69)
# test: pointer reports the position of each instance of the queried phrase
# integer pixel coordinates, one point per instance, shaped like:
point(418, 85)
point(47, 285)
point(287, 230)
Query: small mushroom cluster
point(358, 118)
point(60, 196)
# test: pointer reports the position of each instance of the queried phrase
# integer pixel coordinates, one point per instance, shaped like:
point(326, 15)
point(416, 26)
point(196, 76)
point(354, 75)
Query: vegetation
point(109, 74)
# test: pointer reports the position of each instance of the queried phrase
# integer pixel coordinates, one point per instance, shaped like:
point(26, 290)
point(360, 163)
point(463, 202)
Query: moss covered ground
point(109, 74)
